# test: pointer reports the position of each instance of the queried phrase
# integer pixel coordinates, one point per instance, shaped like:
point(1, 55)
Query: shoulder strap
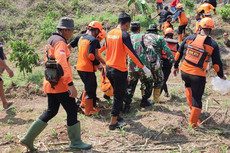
point(199, 41)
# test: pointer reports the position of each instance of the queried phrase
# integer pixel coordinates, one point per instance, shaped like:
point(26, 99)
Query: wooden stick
point(59, 143)
point(181, 151)
point(162, 130)
point(225, 114)
point(178, 141)
point(210, 116)
point(216, 101)
point(206, 105)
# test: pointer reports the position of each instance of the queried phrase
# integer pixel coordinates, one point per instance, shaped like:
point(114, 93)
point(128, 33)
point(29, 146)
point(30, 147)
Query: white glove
point(147, 71)
point(100, 66)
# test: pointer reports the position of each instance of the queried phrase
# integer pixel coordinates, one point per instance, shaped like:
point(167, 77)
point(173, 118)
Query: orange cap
point(207, 23)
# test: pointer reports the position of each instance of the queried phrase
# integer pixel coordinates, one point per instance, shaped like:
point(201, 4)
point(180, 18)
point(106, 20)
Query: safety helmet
point(207, 23)
point(102, 34)
point(179, 5)
point(95, 25)
point(169, 31)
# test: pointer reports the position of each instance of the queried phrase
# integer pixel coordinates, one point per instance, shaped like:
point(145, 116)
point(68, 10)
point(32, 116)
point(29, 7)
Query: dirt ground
point(160, 128)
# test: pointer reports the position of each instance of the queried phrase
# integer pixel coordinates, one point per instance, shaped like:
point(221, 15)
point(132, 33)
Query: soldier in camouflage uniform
point(135, 72)
point(155, 43)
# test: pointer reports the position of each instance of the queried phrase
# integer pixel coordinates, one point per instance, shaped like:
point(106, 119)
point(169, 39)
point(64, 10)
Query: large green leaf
point(139, 6)
point(130, 2)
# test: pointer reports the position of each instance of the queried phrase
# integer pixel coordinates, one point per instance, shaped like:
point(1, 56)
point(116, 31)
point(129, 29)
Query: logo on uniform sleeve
point(62, 52)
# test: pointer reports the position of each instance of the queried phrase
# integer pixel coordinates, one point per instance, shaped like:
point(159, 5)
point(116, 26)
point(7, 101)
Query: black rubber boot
point(145, 103)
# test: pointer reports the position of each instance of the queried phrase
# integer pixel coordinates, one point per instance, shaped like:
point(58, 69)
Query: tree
point(141, 7)
point(24, 56)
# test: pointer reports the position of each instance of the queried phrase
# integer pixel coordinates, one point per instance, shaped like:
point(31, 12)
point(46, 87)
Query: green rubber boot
point(35, 129)
point(74, 133)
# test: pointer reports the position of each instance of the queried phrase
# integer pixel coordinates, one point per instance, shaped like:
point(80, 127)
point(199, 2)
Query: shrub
point(224, 11)
point(24, 56)
point(188, 4)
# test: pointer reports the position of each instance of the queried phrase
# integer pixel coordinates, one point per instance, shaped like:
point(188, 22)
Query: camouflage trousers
point(158, 77)
point(146, 86)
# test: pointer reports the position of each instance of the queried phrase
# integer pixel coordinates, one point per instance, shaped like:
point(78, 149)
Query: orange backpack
point(105, 85)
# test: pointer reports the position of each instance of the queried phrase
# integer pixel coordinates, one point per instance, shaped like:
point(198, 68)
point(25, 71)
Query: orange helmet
point(179, 5)
point(102, 34)
point(95, 25)
point(168, 31)
point(207, 23)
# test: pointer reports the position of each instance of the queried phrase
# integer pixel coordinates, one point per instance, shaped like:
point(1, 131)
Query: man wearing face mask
point(85, 65)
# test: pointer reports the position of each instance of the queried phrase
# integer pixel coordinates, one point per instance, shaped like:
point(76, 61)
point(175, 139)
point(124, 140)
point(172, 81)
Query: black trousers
point(118, 80)
point(90, 82)
point(197, 84)
point(68, 103)
point(181, 29)
point(166, 68)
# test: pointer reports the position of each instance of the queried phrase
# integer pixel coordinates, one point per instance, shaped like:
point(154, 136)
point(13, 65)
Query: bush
point(24, 56)
point(224, 11)
point(188, 4)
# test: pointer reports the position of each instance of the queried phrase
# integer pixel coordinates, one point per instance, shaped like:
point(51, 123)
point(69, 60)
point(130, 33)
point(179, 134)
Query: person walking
point(167, 65)
point(163, 16)
point(3, 66)
point(183, 21)
point(135, 73)
point(156, 44)
point(198, 49)
point(64, 92)
point(118, 45)
point(173, 5)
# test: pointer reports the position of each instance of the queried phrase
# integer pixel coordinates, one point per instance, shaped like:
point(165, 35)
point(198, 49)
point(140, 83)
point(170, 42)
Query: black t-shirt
point(74, 42)
point(1, 51)
point(163, 15)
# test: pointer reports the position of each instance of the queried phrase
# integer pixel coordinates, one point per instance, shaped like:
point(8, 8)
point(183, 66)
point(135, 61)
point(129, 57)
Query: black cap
point(169, 16)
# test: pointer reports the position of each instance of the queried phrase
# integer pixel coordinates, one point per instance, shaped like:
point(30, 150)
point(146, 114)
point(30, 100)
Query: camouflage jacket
point(157, 43)
point(228, 43)
point(138, 46)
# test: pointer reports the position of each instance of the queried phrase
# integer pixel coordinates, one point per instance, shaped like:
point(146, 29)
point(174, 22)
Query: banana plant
point(141, 7)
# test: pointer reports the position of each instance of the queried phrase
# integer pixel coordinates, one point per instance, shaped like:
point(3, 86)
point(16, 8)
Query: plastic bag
point(220, 85)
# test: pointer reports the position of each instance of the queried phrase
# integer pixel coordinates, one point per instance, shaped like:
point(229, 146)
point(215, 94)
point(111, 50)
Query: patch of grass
point(9, 121)
point(106, 134)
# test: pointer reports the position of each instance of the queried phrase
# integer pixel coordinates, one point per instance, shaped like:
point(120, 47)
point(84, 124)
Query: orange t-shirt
point(118, 44)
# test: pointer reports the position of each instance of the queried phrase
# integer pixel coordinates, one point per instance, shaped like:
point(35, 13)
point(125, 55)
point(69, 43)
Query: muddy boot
point(35, 129)
point(156, 96)
point(74, 133)
point(194, 117)
point(89, 110)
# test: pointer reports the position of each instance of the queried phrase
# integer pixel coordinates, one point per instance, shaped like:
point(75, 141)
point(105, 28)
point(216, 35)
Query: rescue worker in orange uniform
point(197, 17)
point(86, 66)
point(58, 50)
point(167, 24)
point(118, 44)
point(183, 21)
point(206, 7)
point(199, 48)
point(167, 65)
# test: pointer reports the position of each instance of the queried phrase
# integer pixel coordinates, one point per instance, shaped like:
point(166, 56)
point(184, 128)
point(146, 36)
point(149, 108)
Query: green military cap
point(135, 24)
point(152, 27)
